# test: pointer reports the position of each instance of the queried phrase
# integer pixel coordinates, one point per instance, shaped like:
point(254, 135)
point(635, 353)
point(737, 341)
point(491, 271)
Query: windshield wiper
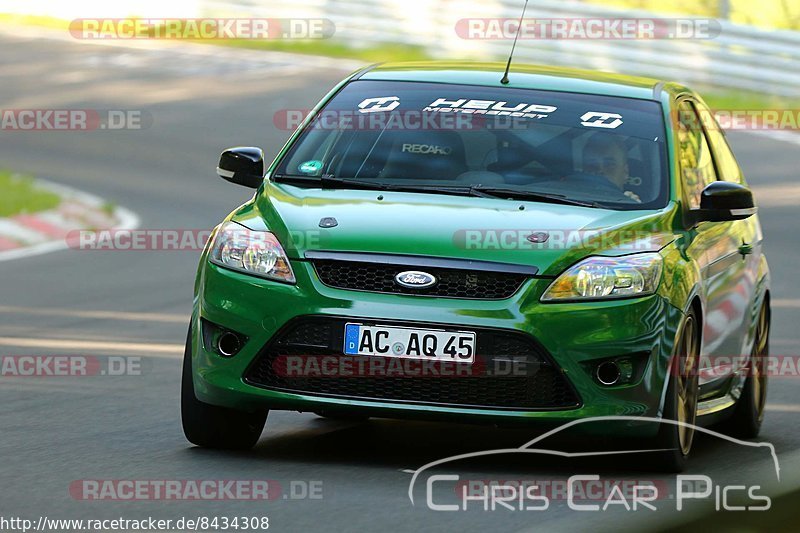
point(328, 181)
point(521, 194)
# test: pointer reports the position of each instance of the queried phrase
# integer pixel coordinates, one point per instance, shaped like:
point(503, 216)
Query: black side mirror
point(243, 165)
point(722, 201)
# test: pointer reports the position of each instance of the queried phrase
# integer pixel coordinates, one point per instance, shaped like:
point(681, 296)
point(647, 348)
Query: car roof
point(523, 76)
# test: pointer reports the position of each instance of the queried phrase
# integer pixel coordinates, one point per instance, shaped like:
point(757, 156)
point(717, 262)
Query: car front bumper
point(574, 335)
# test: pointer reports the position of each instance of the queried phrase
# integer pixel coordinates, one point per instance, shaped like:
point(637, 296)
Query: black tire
point(680, 404)
point(745, 423)
point(211, 426)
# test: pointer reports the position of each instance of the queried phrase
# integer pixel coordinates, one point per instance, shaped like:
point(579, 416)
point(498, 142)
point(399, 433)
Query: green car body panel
point(701, 269)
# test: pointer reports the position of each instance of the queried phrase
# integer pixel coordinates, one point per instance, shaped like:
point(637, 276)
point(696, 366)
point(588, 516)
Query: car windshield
point(463, 139)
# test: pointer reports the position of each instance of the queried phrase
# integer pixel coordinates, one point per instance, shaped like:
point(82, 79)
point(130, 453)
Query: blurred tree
point(790, 15)
point(783, 14)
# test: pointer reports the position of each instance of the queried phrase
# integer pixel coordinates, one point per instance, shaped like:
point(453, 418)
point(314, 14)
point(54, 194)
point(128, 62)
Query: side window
point(726, 163)
point(697, 163)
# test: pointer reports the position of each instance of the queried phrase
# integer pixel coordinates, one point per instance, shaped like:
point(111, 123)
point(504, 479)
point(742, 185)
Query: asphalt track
point(54, 431)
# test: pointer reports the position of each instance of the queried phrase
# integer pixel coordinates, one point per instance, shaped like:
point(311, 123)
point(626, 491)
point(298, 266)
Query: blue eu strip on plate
point(351, 338)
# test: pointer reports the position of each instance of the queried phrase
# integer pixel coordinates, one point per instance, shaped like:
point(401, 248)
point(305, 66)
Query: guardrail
point(740, 57)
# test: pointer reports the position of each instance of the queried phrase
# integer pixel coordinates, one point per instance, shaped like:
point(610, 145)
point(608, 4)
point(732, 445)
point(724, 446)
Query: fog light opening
point(228, 344)
point(608, 373)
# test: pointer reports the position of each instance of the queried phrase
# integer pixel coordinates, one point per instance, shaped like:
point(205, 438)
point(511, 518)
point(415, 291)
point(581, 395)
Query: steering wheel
point(594, 180)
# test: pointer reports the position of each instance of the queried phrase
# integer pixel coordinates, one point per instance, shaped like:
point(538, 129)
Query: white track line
point(144, 348)
point(784, 408)
point(101, 315)
point(778, 135)
point(786, 303)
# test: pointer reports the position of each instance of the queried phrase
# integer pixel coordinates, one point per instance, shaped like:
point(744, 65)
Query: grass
point(782, 14)
point(319, 47)
point(19, 195)
point(729, 99)
point(34, 20)
point(108, 208)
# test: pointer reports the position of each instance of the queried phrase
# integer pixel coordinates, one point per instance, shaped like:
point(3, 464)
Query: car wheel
point(680, 405)
point(748, 414)
point(212, 426)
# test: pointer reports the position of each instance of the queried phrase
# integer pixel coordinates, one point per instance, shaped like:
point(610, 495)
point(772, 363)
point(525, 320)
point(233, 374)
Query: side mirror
point(722, 201)
point(243, 165)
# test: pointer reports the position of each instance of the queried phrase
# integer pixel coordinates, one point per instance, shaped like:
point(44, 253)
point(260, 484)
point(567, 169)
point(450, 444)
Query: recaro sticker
point(426, 149)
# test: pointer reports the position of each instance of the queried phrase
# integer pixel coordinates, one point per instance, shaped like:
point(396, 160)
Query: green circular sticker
point(310, 167)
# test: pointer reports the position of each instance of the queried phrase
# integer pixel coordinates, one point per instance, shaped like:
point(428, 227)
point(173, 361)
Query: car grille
point(452, 283)
point(540, 385)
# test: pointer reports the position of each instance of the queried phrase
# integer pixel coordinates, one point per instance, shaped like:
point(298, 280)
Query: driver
point(606, 155)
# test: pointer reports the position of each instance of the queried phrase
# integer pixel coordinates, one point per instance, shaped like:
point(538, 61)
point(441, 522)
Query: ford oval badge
point(414, 279)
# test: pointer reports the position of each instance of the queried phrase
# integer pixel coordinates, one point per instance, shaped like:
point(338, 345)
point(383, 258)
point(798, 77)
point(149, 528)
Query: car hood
point(486, 229)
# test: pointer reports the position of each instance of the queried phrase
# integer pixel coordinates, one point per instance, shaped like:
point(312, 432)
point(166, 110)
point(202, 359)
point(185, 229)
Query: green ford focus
point(435, 243)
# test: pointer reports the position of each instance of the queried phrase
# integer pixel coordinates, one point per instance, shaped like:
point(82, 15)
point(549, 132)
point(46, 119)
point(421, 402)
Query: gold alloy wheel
point(687, 383)
point(758, 363)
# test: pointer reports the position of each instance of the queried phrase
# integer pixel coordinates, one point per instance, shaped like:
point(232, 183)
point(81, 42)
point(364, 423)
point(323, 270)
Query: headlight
point(599, 278)
point(253, 252)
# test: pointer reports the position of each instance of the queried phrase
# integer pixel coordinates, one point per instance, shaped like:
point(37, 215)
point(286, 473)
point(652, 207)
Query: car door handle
point(746, 249)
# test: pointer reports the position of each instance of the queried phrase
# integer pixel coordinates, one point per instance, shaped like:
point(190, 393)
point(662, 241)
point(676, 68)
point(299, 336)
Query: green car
point(433, 243)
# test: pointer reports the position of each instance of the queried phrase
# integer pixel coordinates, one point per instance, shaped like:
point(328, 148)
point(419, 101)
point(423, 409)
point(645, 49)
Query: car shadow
point(408, 445)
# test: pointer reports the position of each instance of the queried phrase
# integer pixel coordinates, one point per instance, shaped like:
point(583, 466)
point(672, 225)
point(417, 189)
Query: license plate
point(409, 343)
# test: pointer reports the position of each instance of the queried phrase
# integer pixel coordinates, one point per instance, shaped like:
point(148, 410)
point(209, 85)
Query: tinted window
point(585, 147)
point(697, 163)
